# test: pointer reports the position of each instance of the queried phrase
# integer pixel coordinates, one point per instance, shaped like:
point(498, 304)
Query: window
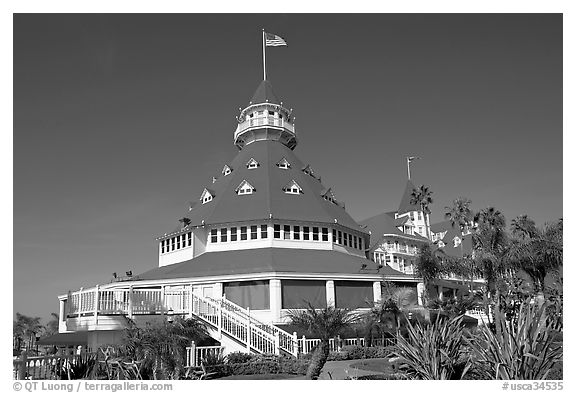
point(245, 188)
point(162, 244)
point(226, 170)
point(360, 243)
point(243, 233)
point(387, 259)
point(213, 235)
point(306, 233)
point(296, 232)
point(253, 232)
point(283, 164)
point(206, 196)
point(345, 239)
point(233, 234)
point(339, 237)
point(189, 239)
point(420, 215)
point(412, 216)
point(183, 240)
point(286, 232)
point(315, 231)
point(224, 234)
point(264, 231)
point(334, 235)
point(276, 231)
point(324, 234)
point(252, 163)
point(270, 113)
point(173, 242)
point(355, 242)
point(292, 188)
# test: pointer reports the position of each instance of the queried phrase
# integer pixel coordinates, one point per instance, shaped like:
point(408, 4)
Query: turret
point(265, 118)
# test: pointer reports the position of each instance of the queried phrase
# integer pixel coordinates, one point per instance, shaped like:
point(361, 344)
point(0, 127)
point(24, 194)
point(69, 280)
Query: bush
point(262, 365)
point(238, 357)
point(383, 376)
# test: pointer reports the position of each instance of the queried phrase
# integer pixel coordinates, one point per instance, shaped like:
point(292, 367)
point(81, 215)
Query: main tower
point(265, 118)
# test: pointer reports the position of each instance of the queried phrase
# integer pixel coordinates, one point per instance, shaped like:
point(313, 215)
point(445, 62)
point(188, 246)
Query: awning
point(60, 339)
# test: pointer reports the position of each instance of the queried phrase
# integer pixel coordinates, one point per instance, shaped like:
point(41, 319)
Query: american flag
point(274, 40)
point(410, 159)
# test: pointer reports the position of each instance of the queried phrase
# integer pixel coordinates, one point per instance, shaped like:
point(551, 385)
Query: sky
point(120, 120)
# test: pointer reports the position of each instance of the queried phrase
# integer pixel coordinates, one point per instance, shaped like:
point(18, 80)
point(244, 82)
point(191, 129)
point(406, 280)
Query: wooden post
point(295, 341)
point(131, 302)
point(276, 343)
point(304, 348)
point(162, 294)
point(193, 354)
point(248, 330)
point(96, 291)
point(190, 302)
point(22, 365)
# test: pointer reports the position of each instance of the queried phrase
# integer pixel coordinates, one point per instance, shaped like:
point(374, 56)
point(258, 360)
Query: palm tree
point(162, 347)
point(422, 197)
point(325, 323)
point(460, 212)
point(428, 266)
point(536, 251)
point(489, 242)
point(52, 325)
point(26, 328)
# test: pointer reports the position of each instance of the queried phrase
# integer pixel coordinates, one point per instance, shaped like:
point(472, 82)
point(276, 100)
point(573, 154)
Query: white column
point(330, 293)
point(275, 300)
point(377, 290)
point(62, 310)
point(270, 231)
point(218, 290)
point(420, 291)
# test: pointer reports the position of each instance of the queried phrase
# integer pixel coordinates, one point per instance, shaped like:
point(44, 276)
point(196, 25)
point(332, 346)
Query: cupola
point(265, 118)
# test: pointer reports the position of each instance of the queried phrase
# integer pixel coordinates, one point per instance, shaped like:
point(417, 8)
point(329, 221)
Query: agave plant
point(433, 352)
point(525, 349)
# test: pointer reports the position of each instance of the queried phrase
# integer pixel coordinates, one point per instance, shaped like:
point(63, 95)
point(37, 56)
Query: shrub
point(238, 357)
point(354, 351)
point(434, 351)
point(262, 365)
point(335, 355)
point(525, 349)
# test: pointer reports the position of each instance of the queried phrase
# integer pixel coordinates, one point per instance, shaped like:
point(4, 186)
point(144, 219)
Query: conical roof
point(269, 199)
point(264, 93)
point(405, 205)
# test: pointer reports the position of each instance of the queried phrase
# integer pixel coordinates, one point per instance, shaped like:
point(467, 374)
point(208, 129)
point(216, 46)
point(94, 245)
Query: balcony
point(263, 121)
point(403, 249)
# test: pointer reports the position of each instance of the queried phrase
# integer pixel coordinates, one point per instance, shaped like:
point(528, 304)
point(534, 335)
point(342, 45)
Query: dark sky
point(120, 120)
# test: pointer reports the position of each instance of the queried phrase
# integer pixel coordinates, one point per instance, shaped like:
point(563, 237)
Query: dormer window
point(226, 170)
point(307, 170)
point(457, 241)
point(292, 188)
point(252, 164)
point(441, 244)
point(206, 196)
point(329, 196)
point(245, 188)
point(283, 164)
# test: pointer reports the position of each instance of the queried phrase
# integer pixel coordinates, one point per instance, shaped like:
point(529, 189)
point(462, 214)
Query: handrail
point(287, 341)
point(221, 313)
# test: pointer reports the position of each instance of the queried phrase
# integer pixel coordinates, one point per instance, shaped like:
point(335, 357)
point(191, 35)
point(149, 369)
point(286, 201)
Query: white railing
point(235, 325)
point(307, 345)
point(222, 314)
point(44, 367)
point(195, 355)
point(263, 121)
point(287, 342)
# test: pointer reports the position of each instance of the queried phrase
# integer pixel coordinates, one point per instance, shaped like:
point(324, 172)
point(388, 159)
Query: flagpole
point(408, 165)
point(264, 51)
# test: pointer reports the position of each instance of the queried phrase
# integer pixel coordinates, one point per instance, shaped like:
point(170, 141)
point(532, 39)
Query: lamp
point(170, 315)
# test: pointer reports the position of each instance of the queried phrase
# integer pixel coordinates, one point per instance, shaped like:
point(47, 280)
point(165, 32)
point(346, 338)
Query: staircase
point(227, 318)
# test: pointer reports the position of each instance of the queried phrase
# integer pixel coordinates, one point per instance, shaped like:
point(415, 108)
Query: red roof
point(405, 205)
point(264, 93)
point(384, 224)
point(268, 260)
point(268, 200)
